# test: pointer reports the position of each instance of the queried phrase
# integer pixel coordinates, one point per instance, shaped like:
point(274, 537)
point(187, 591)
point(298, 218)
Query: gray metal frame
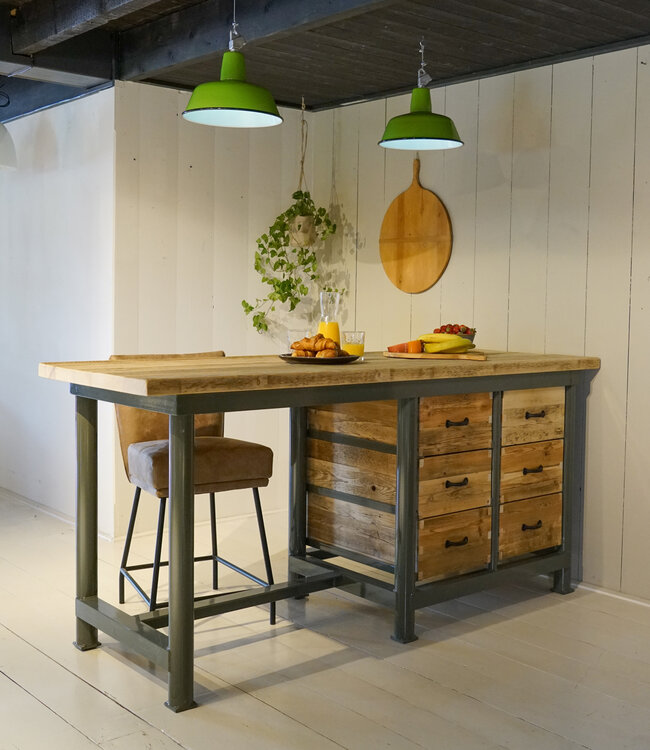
point(307, 572)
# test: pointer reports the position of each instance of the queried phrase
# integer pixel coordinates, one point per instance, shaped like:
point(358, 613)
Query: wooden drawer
point(454, 544)
point(451, 424)
point(353, 470)
point(531, 469)
point(531, 415)
point(530, 525)
point(454, 482)
point(351, 527)
point(371, 420)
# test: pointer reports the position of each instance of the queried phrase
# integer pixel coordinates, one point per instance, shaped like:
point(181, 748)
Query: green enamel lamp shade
point(232, 102)
point(420, 129)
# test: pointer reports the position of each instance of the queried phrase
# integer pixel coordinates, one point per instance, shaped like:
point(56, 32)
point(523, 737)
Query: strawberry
point(455, 328)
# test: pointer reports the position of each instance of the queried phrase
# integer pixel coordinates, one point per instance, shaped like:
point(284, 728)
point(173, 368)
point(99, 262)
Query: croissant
point(307, 344)
point(302, 353)
point(328, 352)
point(324, 343)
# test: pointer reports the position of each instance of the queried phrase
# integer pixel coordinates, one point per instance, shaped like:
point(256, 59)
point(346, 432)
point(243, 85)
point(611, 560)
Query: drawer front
point(530, 525)
point(351, 527)
point(531, 469)
point(454, 544)
point(532, 415)
point(353, 470)
point(371, 420)
point(454, 482)
point(451, 424)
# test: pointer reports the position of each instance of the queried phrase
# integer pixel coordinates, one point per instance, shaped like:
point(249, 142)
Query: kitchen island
point(443, 476)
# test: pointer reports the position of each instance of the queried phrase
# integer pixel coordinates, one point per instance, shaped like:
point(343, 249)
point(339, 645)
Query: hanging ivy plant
point(286, 257)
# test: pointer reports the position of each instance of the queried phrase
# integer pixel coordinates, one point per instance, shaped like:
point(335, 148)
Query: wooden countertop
point(176, 375)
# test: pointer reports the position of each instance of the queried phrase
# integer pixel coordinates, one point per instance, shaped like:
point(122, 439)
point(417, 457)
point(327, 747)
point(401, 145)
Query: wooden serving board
point(415, 239)
point(479, 356)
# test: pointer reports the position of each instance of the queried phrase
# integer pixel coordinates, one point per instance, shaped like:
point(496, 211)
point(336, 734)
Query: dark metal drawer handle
point(526, 527)
point(464, 483)
point(462, 543)
point(535, 415)
point(538, 470)
point(464, 422)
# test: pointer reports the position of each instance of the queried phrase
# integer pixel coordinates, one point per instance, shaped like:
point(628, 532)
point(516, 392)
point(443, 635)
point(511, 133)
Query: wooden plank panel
point(515, 540)
point(440, 555)
point(371, 420)
point(568, 220)
point(382, 310)
point(158, 221)
point(340, 258)
point(350, 526)
point(517, 479)
point(636, 521)
point(607, 309)
point(529, 217)
point(457, 283)
point(493, 207)
point(195, 230)
point(517, 427)
point(352, 470)
point(450, 424)
point(470, 470)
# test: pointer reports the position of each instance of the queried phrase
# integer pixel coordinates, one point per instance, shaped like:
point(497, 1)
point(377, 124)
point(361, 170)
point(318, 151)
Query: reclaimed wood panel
point(438, 435)
point(517, 428)
point(347, 468)
point(471, 469)
point(350, 526)
point(439, 556)
point(517, 459)
point(543, 514)
point(371, 420)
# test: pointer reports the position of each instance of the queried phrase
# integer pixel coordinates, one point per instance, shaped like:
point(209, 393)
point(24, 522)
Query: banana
point(453, 347)
point(439, 338)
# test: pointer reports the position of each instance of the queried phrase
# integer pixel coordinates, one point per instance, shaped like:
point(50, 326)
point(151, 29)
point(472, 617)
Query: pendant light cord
point(303, 145)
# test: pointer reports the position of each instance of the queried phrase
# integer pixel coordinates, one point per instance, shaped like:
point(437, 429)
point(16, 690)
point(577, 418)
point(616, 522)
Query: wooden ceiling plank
point(202, 30)
point(42, 23)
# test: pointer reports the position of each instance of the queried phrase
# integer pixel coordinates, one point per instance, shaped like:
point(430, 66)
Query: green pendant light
point(231, 102)
point(421, 129)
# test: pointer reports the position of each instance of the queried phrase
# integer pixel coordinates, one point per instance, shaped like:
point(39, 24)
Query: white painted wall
point(56, 280)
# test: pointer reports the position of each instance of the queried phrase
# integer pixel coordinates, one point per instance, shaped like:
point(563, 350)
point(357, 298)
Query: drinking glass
point(353, 343)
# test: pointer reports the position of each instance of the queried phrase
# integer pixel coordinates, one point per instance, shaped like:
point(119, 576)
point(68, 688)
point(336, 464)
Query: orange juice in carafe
point(330, 329)
point(329, 314)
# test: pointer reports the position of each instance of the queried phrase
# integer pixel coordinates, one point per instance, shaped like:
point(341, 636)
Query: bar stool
point(220, 464)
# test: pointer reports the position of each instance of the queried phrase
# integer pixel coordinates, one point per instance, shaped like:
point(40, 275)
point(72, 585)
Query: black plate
point(318, 360)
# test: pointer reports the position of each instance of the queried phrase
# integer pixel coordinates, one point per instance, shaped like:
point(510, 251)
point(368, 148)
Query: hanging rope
point(303, 146)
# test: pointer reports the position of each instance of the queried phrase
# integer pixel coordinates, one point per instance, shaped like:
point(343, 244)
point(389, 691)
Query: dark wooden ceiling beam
point(201, 30)
point(43, 23)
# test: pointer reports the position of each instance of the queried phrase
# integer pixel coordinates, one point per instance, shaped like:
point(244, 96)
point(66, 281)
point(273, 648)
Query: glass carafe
point(329, 316)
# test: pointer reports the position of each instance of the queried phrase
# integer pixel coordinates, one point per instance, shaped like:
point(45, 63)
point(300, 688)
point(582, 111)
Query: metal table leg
point(86, 526)
point(406, 518)
point(297, 486)
point(181, 563)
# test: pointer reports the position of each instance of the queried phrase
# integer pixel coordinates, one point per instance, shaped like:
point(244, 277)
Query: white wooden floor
point(515, 667)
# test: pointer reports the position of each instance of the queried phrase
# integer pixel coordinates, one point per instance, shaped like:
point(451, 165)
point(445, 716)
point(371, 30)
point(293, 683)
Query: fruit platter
point(449, 341)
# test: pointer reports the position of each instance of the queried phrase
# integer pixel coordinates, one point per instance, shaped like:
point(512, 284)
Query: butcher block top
point(167, 375)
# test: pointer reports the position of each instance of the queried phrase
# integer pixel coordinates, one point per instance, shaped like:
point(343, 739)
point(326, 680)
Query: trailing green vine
point(286, 258)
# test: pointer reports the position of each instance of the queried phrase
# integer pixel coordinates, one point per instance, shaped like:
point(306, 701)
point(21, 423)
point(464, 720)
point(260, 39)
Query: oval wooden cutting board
point(415, 239)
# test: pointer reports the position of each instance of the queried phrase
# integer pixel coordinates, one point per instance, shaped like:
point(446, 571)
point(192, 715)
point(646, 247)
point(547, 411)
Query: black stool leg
point(265, 547)
point(157, 554)
point(127, 542)
point(213, 534)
